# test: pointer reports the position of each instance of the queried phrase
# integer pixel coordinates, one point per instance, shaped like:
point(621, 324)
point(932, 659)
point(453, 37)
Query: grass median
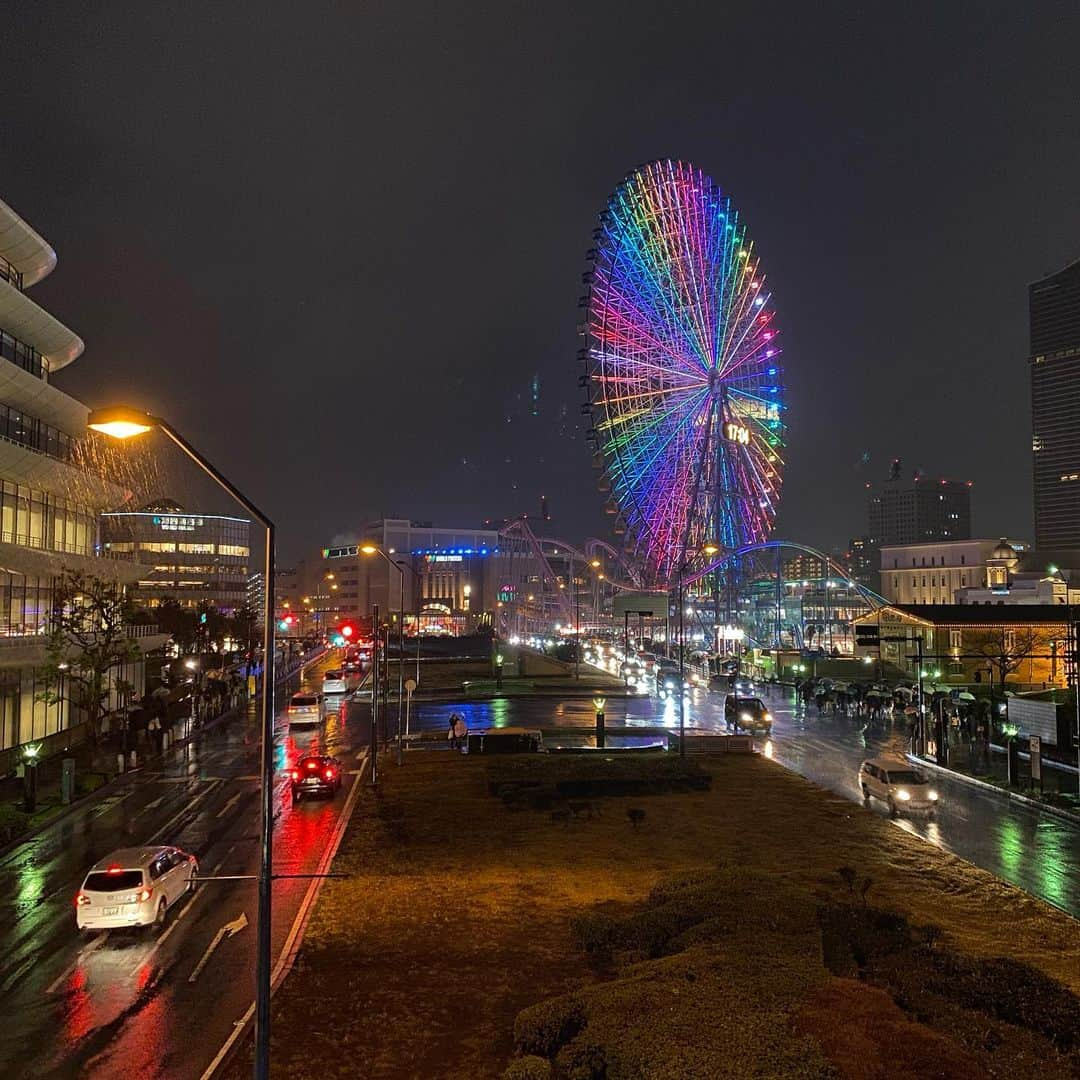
point(712, 932)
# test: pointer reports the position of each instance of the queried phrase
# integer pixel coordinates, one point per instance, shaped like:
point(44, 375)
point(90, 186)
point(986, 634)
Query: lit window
point(232, 549)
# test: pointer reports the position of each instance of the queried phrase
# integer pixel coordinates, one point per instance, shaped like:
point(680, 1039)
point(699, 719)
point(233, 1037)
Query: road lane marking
point(16, 975)
point(167, 934)
point(177, 816)
point(83, 953)
point(292, 943)
point(228, 930)
point(229, 805)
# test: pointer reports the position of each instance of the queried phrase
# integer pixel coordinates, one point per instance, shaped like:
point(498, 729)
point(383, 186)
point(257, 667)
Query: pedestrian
point(458, 732)
point(156, 734)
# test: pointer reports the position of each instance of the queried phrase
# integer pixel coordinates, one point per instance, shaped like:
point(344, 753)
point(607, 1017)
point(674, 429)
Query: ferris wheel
point(682, 371)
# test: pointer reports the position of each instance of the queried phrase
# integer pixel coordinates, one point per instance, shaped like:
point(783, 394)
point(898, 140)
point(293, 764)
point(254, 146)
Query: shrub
point(528, 1068)
point(541, 1029)
point(13, 823)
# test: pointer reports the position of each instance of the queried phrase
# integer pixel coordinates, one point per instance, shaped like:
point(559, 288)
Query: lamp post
point(121, 422)
point(372, 549)
point(707, 549)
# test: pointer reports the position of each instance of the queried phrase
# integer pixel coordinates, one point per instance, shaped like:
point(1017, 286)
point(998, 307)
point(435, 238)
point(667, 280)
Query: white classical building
point(49, 499)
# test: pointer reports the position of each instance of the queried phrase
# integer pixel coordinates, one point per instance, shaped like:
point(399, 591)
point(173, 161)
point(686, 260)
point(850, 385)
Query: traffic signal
point(286, 622)
point(347, 630)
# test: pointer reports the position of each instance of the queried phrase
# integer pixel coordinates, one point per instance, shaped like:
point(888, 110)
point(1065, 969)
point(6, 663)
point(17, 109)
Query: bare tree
point(89, 639)
point(1005, 649)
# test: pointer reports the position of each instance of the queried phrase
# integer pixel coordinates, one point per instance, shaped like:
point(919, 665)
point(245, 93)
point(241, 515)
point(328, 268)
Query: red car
point(315, 774)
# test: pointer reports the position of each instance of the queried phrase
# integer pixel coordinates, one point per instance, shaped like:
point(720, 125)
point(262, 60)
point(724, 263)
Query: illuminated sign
point(445, 558)
point(736, 433)
point(176, 523)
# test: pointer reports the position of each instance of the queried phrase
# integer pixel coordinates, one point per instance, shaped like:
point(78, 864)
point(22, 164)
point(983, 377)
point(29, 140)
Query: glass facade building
point(1054, 365)
point(193, 558)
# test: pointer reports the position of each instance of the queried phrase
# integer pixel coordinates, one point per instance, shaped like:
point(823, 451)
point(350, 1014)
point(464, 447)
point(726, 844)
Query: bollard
point(67, 780)
point(598, 705)
point(134, 760)
point(119, 763)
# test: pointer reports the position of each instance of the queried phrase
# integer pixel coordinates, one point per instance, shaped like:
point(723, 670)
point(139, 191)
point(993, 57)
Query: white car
point(134, 887)
point(334, 683)
point(898, 784)
point(306, 707)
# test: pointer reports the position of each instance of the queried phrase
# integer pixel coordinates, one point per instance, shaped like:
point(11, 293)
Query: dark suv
point(747, 714)
point(315, 774)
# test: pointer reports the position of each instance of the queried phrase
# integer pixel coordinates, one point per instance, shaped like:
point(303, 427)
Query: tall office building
point(917, 509)
point(1054, 312)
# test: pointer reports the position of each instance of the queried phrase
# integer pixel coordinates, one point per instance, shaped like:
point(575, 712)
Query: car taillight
point(143, 895)
point(295, 774)
point(81, 898)
point(329, 774)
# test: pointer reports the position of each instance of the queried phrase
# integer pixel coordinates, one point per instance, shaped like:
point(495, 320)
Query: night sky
point(341, 245)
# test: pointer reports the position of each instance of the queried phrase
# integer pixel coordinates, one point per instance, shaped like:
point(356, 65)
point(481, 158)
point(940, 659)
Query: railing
point(10, 274)
point(12, 638)
point(38, 543)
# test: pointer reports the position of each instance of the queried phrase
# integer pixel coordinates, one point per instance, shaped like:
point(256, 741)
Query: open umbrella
point(904, 691)
point(965, 696)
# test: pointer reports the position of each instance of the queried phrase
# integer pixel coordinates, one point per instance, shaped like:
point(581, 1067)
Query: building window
point(156, 545)
point(954, 639)
point(194, 549)
point(232, 549)
point(963, 559)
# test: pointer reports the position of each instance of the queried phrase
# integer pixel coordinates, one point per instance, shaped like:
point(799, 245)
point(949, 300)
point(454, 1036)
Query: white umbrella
point(965, 696)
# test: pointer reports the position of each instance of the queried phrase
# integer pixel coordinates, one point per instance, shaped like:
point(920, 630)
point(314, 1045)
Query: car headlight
point(669, 686)
point(903, 796)
point(932, 796)
point(768, 718)
point(745, 717)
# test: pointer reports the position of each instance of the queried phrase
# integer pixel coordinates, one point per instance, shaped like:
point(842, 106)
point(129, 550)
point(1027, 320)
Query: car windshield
point(117, 881)
point(305, 699)
point(905, 776)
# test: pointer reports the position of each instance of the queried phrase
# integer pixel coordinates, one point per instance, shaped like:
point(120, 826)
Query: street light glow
point(369, 549)
point(121, 422)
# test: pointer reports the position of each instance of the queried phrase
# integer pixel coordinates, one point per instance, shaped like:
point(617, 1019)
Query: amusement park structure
point(681, 371)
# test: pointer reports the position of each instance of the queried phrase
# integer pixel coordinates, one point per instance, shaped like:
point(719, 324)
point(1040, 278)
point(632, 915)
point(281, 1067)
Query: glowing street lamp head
point(121, 422)
point(710, 548)
point(369, 549)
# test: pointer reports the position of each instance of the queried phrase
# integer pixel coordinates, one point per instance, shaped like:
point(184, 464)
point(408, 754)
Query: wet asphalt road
point(1038, 852)
point(129, 1002)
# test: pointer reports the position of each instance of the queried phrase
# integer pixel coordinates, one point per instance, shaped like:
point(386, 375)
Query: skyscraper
point(1054, 311)
point(917, 509)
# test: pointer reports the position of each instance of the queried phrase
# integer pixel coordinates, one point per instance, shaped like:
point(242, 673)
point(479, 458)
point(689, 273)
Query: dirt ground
point(455, 912)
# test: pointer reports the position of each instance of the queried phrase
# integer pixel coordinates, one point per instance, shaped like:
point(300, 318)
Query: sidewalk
point(972, 764)
point(97, 767)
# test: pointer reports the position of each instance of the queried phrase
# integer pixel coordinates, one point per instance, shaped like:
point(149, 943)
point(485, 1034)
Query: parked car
point(315, 774)
point(898, 784)
point(134, 887)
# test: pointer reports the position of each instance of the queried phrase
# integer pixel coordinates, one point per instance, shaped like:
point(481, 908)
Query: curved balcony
point(24, 319)
point(24, 255)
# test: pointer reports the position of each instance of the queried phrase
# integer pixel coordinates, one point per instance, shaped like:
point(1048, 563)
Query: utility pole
point(374, 693)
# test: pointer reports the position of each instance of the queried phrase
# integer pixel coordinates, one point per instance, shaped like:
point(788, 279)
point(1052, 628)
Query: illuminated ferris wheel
point(682, 371)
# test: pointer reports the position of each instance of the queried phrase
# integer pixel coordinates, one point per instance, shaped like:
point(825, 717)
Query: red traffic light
point(347, 630)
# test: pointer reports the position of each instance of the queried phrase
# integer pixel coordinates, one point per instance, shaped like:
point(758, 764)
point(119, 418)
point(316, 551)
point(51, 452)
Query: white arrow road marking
point(229, 805)
point(83, 953)
point(228, 929)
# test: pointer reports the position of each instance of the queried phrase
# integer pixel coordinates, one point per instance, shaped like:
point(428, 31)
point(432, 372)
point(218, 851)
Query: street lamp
point(121, 422)
point(372, 549)
point(710, 549)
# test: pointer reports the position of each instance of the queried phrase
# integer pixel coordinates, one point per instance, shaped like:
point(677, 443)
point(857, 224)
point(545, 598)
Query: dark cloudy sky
point(336, 243)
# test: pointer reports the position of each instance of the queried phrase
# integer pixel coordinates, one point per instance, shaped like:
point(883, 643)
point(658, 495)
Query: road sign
point(1035, 746)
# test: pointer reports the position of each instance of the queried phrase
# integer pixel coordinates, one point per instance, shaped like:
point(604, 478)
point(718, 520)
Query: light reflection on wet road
point(122, 1003)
